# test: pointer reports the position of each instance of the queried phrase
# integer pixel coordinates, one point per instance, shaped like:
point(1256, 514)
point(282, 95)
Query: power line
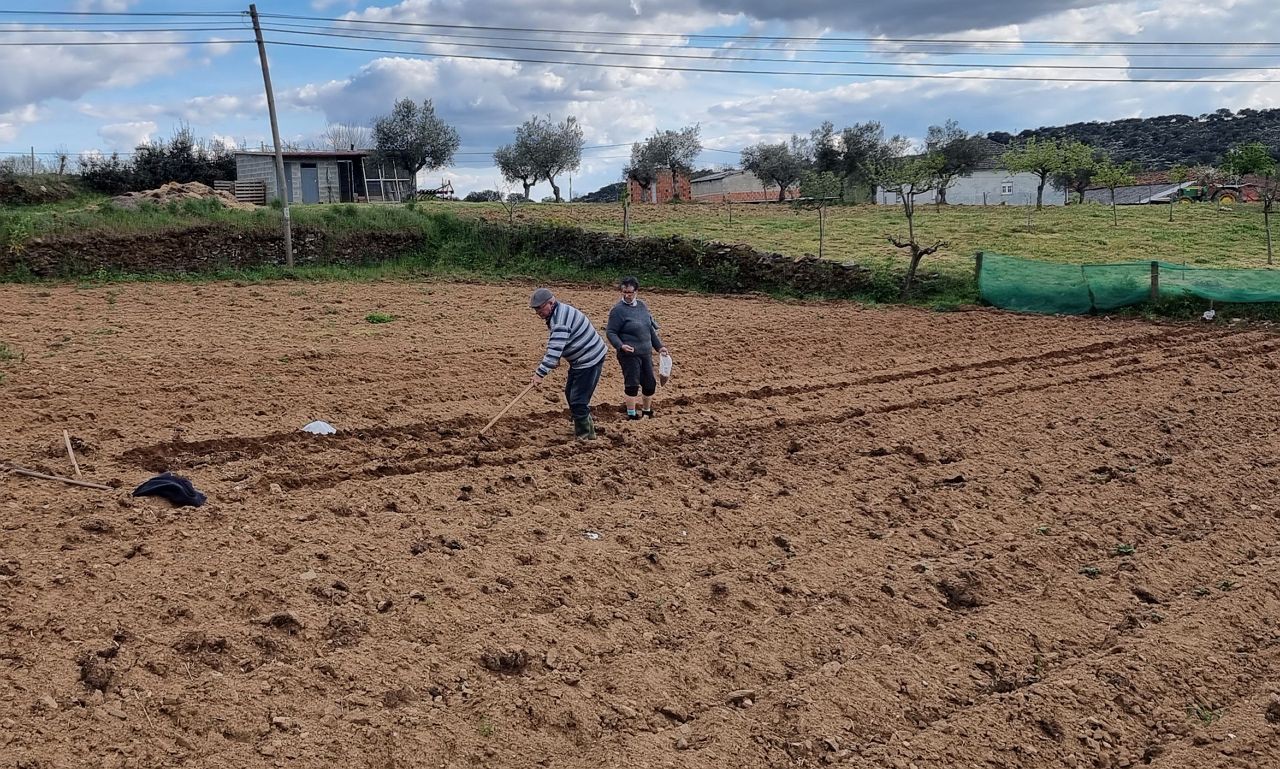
point(125, 13)
point(138, 30)
point(60, 43)
point(842, 62)
point(418, 37)
point(682, 35)
point(733, 71)
point(667, 46)
point(584, 149)
point(694, 35)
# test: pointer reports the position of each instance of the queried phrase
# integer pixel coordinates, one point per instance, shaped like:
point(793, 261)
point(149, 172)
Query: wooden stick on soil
point(34, 474)
point(509, 405)
point(66, 438)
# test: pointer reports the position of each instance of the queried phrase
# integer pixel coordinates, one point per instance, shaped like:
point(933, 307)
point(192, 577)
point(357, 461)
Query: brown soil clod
point(95, 672)
point(506, 661)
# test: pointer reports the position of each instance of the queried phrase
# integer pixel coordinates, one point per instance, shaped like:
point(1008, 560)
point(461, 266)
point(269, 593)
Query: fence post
point(977, 268)
point(1155, 281)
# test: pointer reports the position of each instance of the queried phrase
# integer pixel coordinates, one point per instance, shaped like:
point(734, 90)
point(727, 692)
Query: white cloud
point(12, 122)
point(218, 47)
point(126, 136)
point(70, 72)
point(113, 6)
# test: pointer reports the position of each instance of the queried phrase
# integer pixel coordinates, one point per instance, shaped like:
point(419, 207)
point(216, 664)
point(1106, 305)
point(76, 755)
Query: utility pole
point(281, 190)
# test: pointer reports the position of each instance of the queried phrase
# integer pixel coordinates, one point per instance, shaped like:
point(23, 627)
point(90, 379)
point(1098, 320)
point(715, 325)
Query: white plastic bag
point(664, 367)
point(319, 428)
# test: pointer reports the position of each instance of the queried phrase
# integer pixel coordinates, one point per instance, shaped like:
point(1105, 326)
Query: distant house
point(662, 190)
point(737, 186)
point(323, 176)
point(988, 185)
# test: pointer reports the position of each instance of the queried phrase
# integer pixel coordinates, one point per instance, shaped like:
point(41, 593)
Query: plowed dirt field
point(851, 536)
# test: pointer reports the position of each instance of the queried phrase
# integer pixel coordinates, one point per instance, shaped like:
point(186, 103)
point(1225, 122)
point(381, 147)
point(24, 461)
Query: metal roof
point(310, 153)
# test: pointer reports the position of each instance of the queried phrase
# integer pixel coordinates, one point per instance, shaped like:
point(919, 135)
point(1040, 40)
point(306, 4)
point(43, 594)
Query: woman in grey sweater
point(634, 334)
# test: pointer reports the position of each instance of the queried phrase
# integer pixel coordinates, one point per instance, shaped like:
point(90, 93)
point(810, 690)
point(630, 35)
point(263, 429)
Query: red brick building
point(661, 189)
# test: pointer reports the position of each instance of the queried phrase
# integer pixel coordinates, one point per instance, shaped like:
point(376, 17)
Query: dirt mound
point(175, 192)
point(31, 190)
point(858, 538)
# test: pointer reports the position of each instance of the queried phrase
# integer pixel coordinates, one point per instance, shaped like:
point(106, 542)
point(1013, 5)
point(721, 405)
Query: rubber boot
point(584, 429)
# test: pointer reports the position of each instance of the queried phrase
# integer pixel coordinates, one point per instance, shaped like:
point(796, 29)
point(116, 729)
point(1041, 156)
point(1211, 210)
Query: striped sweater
point(572, 338)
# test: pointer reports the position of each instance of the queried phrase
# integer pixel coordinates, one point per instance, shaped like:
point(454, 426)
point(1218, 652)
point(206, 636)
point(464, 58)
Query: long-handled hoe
point(523, 393)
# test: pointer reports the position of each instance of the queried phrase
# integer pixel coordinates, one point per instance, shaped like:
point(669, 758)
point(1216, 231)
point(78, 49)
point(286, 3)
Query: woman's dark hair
point(629, 281)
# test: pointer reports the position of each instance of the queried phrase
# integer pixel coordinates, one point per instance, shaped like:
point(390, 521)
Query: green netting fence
point(1028, 285)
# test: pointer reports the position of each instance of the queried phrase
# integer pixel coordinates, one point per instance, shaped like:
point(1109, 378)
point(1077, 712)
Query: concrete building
point(326, 176)
point(737, 186)
point(989, 184)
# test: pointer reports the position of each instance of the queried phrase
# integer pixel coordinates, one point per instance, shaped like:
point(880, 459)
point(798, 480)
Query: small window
point(1006, 188)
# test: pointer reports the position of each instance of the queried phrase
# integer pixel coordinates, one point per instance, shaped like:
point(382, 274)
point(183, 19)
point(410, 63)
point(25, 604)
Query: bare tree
point(64, 156)
point(908, 178)
point(510, 200)
point(346, 136)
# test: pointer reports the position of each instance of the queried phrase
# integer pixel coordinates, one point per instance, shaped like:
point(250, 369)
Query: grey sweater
point(633, 325)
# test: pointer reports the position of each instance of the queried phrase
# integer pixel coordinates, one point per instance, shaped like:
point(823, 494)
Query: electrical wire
point(841, 62)
point(790, 48)
point(1075, 43)
point(735, 71)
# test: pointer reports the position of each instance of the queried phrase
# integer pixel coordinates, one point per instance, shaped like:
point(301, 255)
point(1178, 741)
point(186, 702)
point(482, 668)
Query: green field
point(1200, 234)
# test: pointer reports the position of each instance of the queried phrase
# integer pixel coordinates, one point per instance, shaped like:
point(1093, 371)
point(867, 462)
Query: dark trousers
point(579, 386)
point(637, 374)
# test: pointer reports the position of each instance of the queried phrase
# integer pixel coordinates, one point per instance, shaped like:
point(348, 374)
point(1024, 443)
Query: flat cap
point(540, 297)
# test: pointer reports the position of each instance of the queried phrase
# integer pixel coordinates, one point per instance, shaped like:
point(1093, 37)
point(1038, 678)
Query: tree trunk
point(1115, 219)
point(626, 219)
point(675, 191)
point(782, 192)
point(555, 188)
point(1040, 194)
point(916, 256)
point(821, 231)
point(528, 185)
point(1170, 209)
point(1266, 222)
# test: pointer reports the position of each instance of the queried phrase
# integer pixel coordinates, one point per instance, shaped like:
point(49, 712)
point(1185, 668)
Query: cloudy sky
point(993, 65)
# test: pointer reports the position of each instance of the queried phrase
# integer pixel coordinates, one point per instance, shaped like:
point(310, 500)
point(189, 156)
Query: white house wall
point(969, 190)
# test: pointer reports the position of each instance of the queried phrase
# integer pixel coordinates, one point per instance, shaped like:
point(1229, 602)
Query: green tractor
point(1222, 194)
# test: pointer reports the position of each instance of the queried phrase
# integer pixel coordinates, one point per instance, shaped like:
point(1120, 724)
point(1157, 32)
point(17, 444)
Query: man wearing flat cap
point(574, 339)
